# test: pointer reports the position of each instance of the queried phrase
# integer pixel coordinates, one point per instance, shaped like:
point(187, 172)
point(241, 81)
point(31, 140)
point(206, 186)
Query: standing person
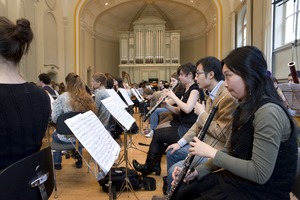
point(75, 99)
point(260, 158)
point(184, 108)
point(24, 108)
point(209, 76)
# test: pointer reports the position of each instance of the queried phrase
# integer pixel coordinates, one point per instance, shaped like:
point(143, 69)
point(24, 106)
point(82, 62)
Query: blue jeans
point(57, 158)
point(177, 156)
point(196, 161)
point(154, 118)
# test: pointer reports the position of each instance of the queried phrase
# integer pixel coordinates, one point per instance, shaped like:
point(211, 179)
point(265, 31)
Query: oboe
point(157, 104)
point(189, 159)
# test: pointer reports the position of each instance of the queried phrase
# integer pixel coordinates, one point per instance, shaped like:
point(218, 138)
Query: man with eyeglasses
point(208, 76)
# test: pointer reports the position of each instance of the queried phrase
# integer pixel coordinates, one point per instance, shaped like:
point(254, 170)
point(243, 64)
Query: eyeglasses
point(198, 73)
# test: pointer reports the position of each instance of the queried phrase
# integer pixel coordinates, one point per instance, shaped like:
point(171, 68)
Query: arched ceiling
point(106, 18)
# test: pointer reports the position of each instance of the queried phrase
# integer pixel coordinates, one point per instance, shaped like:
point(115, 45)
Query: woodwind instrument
point(293, 71)
point(158, 104)
point(189, 159)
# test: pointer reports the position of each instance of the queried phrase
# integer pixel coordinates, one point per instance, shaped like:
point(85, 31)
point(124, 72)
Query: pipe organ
point(149, 51)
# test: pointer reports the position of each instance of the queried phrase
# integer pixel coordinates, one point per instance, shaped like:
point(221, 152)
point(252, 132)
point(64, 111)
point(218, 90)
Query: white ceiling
point(192, 17)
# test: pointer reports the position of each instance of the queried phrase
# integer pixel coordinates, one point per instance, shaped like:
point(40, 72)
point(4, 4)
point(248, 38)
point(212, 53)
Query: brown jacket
point(220, 127)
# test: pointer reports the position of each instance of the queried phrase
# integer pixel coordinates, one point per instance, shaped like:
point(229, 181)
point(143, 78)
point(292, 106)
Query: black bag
point(118, 178)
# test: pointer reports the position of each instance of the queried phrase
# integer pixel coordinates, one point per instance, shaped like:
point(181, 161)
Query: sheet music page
point(291, 91)
point(118, 112)
point(126, 96)
point(136, 95)
point(95, 138)
point(117, 98)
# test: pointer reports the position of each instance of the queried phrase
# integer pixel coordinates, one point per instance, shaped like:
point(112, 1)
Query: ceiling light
point(106, 4)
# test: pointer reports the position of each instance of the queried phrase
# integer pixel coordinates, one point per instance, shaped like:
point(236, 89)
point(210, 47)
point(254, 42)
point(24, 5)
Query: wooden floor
point(79, 184)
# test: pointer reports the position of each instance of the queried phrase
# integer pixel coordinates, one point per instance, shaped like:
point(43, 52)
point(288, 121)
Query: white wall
point(107, 57)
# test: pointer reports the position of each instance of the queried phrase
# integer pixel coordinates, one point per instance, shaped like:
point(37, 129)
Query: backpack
point(118, 175)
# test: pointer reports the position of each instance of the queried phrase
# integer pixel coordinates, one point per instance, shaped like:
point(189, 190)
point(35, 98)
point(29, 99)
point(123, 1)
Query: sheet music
point(291, 91)
point(116, 97)
point(136, 95)
point(118, 112)
point(126, 96)
point(95, 138)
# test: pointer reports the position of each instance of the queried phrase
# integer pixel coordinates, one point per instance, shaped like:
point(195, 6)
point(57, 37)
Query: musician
point(260, 158)
point(99, 86)
point(152, 97)
point(161, 116)
point(75, 99)
point(208, 76)
point(186, 119)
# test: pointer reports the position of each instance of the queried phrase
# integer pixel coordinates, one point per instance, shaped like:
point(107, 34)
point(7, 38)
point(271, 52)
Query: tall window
point(285, 16)
point(292, 12)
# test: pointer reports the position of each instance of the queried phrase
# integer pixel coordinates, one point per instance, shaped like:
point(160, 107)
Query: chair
point(63, 129)
point(30, 178)
point(296, 187)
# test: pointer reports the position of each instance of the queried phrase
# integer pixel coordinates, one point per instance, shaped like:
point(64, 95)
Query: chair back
point(61, 126)
point(21, 179)
point(296, 187)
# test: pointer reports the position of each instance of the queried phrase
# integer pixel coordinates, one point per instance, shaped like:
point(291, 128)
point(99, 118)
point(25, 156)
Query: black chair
point(63, 129)
point(30, 178)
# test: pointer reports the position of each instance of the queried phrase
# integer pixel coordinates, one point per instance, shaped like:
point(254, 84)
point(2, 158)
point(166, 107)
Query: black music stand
point(125, 121)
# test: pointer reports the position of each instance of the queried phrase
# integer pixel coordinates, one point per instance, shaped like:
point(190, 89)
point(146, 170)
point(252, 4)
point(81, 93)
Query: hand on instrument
point(169, 93)
point(202, 149)
point(190, 175)
point(175, 173)
point(199, 108)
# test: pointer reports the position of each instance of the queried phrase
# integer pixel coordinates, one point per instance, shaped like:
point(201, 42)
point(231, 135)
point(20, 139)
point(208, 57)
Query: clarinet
point(189, 159)
point(157, 104)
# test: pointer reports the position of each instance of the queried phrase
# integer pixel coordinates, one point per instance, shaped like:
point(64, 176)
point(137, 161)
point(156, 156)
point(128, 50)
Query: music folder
point(91, 133)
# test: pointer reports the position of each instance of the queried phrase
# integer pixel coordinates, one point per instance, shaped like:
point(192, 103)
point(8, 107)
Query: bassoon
point(293, 71)
point(189, 159)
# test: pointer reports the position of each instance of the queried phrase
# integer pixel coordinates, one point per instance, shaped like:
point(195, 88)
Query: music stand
point(125, 120)
point(126, 184)
point(291, 92)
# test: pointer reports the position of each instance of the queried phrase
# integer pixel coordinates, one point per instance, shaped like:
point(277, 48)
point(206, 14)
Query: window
point(290, 22)
point(285, 23)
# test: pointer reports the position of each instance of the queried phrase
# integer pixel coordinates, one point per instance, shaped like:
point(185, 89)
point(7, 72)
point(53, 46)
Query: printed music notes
point(126, 96)
point(118, 112)
point(95, 138)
